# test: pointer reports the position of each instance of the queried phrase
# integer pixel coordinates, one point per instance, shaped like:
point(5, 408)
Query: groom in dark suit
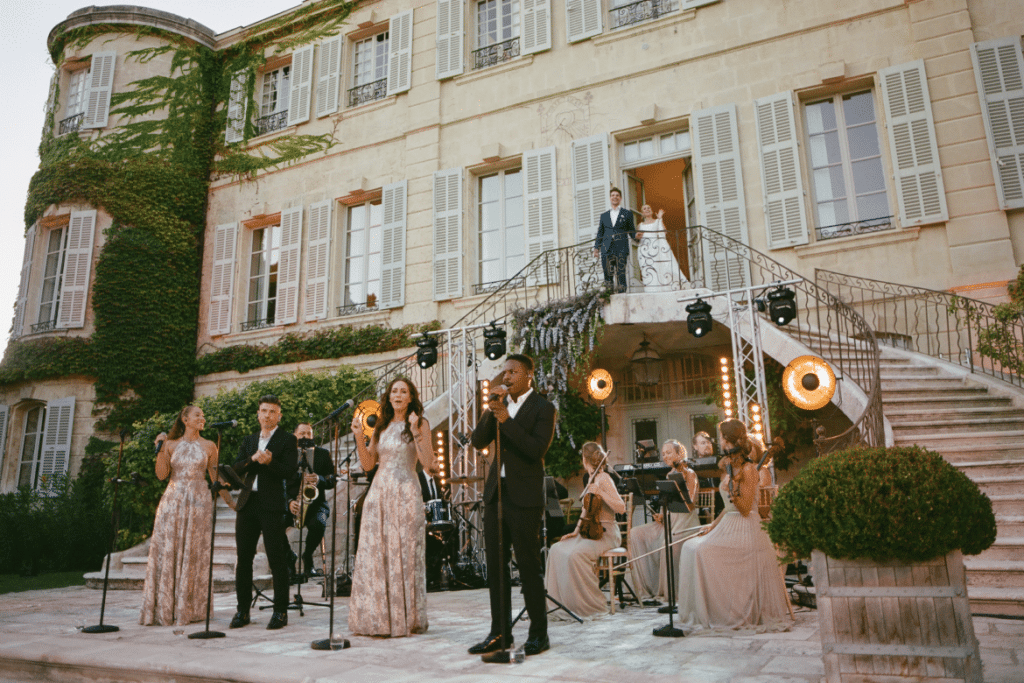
point(265, 461)
point(614, 231)
point(526, 421)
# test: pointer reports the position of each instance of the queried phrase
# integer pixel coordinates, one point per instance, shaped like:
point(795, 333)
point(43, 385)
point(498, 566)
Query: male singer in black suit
point(527, 425)
point(265, 461)
point(614, 231)
point(317, 512)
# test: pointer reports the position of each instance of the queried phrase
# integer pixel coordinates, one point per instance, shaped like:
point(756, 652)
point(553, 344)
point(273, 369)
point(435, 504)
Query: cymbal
point(465, 480)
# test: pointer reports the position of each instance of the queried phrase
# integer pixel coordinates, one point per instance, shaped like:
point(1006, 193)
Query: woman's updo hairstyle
point(735, 432)
point(593, 454)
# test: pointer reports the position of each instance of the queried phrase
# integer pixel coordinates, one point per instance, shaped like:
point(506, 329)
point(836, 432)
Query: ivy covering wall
point(151, 175)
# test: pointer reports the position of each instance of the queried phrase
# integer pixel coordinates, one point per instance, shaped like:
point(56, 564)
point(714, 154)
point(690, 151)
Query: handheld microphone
point(159, 445)
point(228, 424)
point(498, 396)
point(344, 406)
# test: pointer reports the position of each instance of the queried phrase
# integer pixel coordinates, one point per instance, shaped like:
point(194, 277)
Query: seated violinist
point(570, 578)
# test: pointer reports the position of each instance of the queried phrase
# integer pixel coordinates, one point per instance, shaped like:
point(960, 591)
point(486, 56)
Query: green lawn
point(12, 583)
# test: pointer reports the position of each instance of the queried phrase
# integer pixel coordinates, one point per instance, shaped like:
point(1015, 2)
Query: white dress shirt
point(614, 213)
point(513, 407)
point(262, 445)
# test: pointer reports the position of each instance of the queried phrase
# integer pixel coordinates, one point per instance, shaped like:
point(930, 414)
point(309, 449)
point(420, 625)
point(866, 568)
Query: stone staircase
point(977, 424)
point(128, 567)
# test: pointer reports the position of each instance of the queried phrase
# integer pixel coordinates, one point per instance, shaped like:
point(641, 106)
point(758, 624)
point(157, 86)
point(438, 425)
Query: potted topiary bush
point(886, 529)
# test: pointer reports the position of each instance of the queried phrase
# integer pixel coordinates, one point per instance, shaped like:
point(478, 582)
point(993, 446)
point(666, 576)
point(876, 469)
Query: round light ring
point(599, 384)
point(366, 409)
point(809, 371)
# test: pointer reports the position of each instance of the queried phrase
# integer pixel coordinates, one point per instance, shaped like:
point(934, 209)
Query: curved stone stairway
point(128, 567)
point(977, 424)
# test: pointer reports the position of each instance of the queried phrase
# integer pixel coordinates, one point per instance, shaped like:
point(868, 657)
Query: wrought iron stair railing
point(971, 333)
point(824, 323)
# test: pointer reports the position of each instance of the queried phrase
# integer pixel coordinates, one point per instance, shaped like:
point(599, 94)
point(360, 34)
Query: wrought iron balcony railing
point(636, 12)
point(855, 228)
point(271, 122)
point(257, 324)
point(71, 123)
point(968, 332)
point(46, 326)
point(368, 92)
point(496, 53)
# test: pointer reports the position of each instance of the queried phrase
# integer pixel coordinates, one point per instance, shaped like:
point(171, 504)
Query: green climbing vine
point(151, 175)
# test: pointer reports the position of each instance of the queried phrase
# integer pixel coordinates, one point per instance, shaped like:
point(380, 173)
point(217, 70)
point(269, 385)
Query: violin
point(590, 525)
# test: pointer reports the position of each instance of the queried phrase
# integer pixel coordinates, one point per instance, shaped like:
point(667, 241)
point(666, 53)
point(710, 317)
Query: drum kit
point(447, 567)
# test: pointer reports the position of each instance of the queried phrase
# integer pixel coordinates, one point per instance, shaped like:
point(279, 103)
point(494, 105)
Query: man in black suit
point(527, 425)
point(265, 461)
point(317, 512)
point(614, 231)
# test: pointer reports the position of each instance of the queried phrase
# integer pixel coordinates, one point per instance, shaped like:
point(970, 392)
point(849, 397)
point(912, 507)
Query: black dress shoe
point(665, 609)
point(239, 620)
point(491, 644)
point(534, 646)
point(278, 620)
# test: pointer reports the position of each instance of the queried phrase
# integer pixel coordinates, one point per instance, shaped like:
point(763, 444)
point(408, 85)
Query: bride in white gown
point(659, 270)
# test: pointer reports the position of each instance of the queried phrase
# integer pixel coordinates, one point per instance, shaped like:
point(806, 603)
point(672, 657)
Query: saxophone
point(307, 494)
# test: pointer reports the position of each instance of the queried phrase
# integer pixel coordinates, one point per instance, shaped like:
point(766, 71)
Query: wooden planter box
point(880, 622)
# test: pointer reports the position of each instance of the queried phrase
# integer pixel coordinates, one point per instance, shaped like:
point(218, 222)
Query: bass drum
point(439, 516)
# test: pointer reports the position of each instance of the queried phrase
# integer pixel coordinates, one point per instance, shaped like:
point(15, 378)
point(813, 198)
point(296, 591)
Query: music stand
point(674, 498)
point(234, 482)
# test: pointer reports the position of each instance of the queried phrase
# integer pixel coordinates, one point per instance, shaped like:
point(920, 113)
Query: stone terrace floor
point(40, 641)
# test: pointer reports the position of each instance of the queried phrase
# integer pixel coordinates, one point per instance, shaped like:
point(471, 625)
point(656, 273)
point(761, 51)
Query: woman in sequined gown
point(389, 584)
point(729, 577)
point(177, 574)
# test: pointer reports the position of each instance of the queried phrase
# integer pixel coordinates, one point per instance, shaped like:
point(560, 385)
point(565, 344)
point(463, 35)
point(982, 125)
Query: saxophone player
point(318, 473)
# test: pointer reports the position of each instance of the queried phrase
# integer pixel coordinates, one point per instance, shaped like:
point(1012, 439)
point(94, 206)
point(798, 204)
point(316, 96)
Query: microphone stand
point(215, 487)
point(502, 656)
point(114, 520)
point(331, 642)
point(670, 498)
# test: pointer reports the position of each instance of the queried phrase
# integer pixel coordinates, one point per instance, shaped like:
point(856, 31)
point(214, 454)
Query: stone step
point(1011, 505)
point(958, 410)
point(940, 401)
point(1005, 549)
point(994, 573)
point(222, 562)
point(996, 600)
point(958, 424)
point(949, 442)
point(222, 583)
point(959, 391)
point(1010, 525)
point(992, 468)
point(924, 383)
point(1000, 485)
point(974, 451)
point(900, 372)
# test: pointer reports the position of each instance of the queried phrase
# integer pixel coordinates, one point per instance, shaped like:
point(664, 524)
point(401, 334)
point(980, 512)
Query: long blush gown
point(179, 551)
point(730, 579)
point(389, 584)
point(570, 577)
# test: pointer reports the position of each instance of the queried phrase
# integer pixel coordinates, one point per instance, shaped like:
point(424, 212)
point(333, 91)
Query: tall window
point(846, 161)
point(74, 104)
point(369, 70)
point(502, 246)
point(497, 32)
point(32, 447)
point(49, 298)
point(274, 100)
point(362, 258)
point(263, 265)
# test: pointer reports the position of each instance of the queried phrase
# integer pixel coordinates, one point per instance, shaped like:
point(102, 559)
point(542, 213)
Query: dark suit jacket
point(524, 441)
point(426, 491)
point(323, 466)
point(283, 449)
point(614, 239)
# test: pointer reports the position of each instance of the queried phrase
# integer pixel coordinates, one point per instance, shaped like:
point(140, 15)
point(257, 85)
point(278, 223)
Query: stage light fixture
point(698, 320)
point(494, 341)
point(426, 352)
point(781, 305)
